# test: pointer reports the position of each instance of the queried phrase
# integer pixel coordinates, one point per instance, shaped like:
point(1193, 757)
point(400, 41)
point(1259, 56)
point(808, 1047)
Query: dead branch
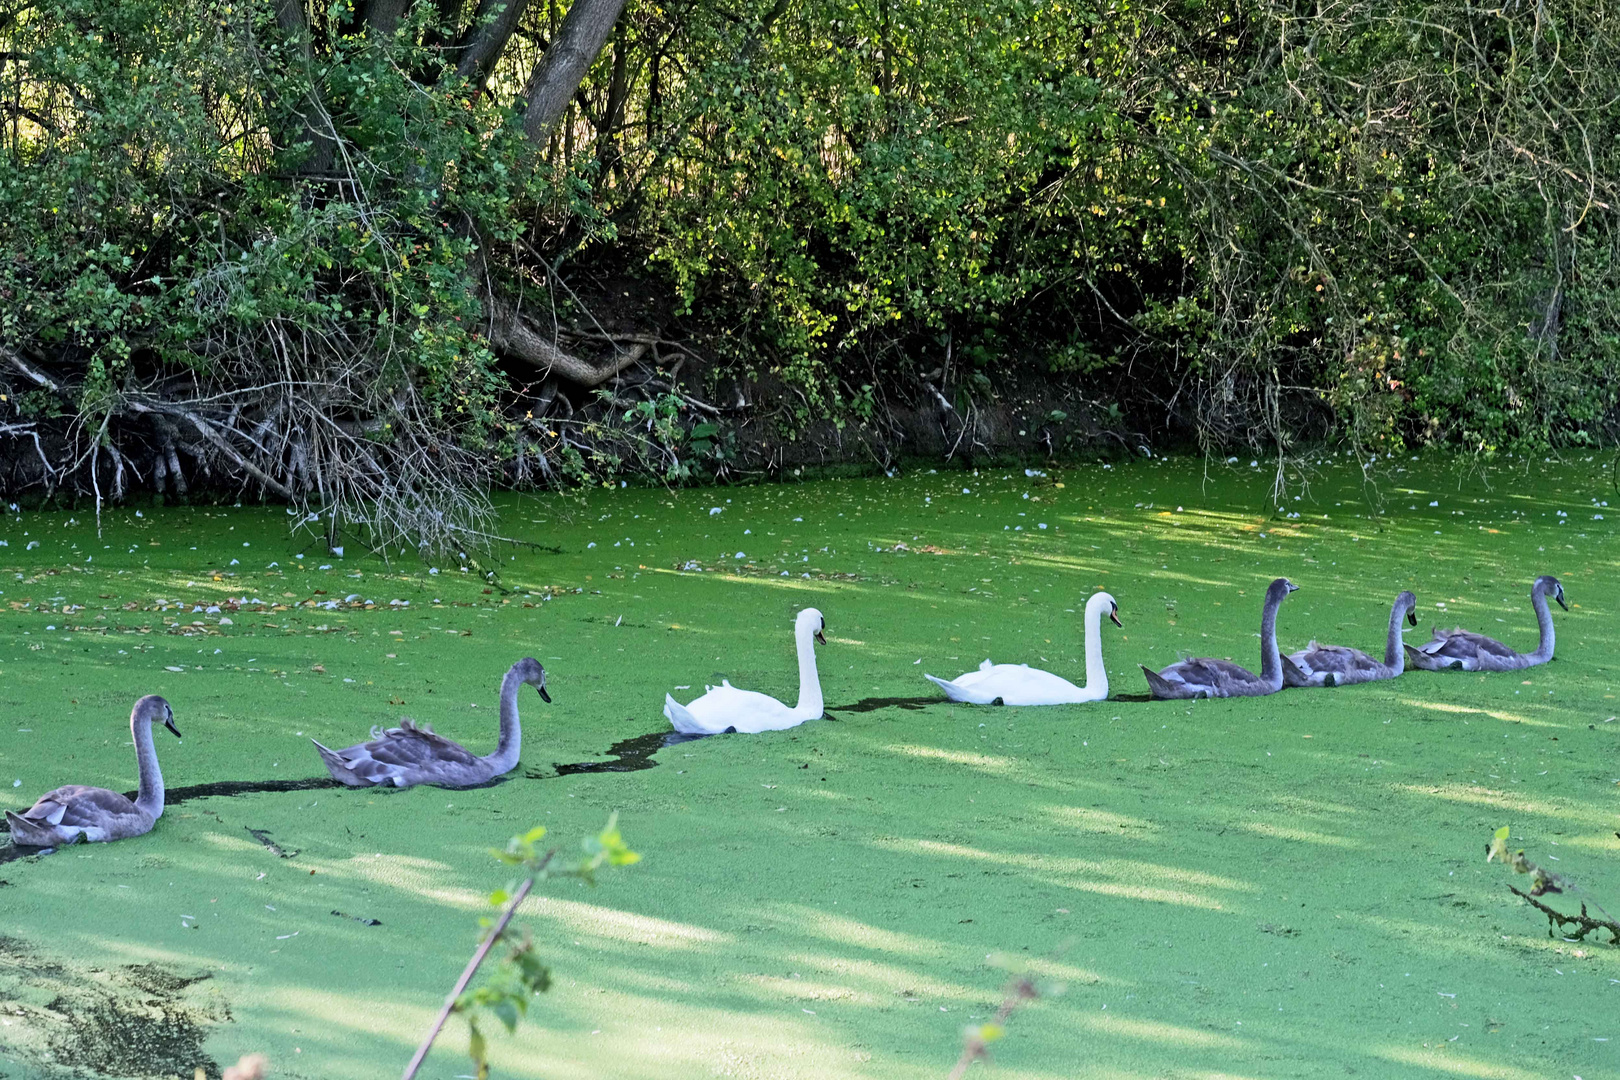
point(512, 333)
point(1557, 920)
point(27, 372)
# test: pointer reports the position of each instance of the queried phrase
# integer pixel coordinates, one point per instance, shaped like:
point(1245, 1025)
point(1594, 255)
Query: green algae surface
point(1292, 886)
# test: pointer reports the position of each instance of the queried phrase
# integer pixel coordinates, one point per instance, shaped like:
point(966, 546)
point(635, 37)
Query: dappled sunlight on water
point(613, 925)
point(1494, 714)
point(1303, 836)
point(1156, 1031)
point(1449, 1062)
point(1082, 819)
point(1507, 802)
point(1131, 878)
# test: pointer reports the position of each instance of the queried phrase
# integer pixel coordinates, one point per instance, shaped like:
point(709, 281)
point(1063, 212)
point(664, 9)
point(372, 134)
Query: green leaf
point(476, 1048)
point(499, 897)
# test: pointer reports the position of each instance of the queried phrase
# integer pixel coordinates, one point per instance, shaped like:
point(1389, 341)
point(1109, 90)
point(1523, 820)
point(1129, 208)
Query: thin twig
point(472, 968)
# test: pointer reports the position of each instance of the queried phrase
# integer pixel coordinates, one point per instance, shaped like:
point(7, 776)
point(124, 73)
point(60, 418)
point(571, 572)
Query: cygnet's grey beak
point(1559, 596)
point(541, 690)
point(1292, 587)
point(1113, 614)
point(169, 723)
point(1411, 616)
point(821, 637)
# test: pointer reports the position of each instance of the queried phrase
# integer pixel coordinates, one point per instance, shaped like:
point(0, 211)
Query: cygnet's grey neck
point(1544, 650)
point(1270, 656)
point(149, 797)
point(510, 746)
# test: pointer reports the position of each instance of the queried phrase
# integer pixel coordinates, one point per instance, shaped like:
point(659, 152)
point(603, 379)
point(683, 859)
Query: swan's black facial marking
point(168, 719)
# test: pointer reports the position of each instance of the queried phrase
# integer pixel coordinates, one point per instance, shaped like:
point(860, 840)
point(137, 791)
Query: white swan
point(1020, 684)
point(726, 709)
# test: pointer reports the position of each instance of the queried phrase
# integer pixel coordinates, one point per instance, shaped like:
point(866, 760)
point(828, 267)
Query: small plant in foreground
point(1543, 881)
point(1022, 989)
point(521, 975)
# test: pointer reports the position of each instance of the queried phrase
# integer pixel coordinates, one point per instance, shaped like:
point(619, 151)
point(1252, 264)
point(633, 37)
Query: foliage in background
point(306, 250)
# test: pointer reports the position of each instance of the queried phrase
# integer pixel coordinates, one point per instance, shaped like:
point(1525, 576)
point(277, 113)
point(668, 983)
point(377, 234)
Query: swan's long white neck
point(810, 704)
point(1096, 673)
point(510, 745)
point(149, 798)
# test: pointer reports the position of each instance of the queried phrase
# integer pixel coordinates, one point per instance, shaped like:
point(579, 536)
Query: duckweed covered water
point(1292, 886)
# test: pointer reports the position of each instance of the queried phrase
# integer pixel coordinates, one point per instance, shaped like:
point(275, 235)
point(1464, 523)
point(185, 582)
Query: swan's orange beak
point(821, 637)
point(1113, 614)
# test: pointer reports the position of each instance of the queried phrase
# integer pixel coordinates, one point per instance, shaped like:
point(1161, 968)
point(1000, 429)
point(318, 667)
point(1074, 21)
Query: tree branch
point(29, 373)
point(513, 334)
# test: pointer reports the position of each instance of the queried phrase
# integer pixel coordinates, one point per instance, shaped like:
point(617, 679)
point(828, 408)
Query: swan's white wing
point(681, 718)
point(1016, 684)
point(1020, 684)
point(960, 690)
point(728, 708)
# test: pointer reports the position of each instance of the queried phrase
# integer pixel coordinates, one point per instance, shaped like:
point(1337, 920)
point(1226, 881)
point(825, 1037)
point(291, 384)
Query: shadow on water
point(12, 852)
point(175, 796)
point(628, 755)
point(873, 704)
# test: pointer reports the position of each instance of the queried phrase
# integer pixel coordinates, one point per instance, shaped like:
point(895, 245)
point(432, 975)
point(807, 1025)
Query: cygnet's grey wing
point(1296, 675)
point(1466, 645)
point(410, 746)
point(1219, 674)
point(1341, 660)
point(79, 807)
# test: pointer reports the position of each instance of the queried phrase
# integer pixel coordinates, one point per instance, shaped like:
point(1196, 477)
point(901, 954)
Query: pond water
point(1292, 885)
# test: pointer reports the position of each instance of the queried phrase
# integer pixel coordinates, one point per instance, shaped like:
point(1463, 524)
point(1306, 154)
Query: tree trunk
point(491, 27)
point(318, 130)
point(383, 16)
point(561, 68)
